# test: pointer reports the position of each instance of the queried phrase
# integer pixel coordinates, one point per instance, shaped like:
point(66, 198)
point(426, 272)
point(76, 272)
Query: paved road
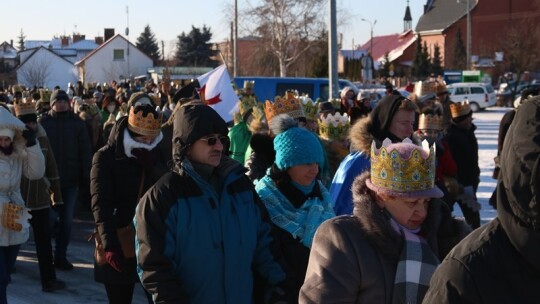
point(81, 287)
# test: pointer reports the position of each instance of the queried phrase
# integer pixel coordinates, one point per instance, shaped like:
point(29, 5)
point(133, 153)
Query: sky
point(41, 20)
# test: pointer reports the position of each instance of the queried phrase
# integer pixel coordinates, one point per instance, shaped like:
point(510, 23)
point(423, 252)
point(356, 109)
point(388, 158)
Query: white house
point(72, 49)
point(116, 59)
point(42, 67)
point(8, 53)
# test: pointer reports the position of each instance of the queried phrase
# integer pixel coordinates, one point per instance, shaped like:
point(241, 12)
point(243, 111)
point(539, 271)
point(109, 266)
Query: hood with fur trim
point(359, 135)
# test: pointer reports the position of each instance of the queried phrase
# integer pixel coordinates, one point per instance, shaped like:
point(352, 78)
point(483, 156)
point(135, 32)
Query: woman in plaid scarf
point(388, 249)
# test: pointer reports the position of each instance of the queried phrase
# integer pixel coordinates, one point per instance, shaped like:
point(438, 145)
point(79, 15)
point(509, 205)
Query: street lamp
point(371, 24)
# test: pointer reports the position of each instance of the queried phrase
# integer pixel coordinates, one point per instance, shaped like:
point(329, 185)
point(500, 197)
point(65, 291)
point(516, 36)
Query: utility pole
point(371, 24)
point(469, 37)
point(127, 34)
point(333, 86)
point(235, 44)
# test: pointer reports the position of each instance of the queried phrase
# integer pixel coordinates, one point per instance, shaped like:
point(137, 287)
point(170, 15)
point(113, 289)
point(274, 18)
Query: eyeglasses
point(213, 140)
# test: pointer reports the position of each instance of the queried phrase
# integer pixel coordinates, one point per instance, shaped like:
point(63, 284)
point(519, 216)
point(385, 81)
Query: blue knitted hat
point(294, 145)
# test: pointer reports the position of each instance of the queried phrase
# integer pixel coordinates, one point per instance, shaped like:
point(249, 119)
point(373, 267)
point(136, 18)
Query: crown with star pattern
point(288, 104)
point(403, 171)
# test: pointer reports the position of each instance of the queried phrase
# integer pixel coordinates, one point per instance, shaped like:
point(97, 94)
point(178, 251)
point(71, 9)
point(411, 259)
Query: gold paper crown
point(459, 109)
point(429, 122)
point(249, 84)
point(422, 88)
point(155, 98)
point(245, 103)
point(148, 126)
point(334, 127)
point(311, 108)
point(289, 104)
point(24, 108)
point(17, 88)
point(394, 172)
point(45, 95)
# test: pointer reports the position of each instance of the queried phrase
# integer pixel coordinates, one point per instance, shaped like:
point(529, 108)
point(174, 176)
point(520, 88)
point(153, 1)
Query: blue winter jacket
point(352, 165)
point(197, 246)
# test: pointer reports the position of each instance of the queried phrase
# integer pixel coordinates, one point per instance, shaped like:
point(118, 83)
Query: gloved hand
point(115, 258)
point(147, 159)
point(30, 137)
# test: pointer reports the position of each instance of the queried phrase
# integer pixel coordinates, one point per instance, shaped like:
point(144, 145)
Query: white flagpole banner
point(217, 92)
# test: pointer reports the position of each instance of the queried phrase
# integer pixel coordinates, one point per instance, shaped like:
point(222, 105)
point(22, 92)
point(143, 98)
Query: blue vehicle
point(266, 88)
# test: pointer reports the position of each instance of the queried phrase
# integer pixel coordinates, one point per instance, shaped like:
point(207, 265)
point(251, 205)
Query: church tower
point(407, 20)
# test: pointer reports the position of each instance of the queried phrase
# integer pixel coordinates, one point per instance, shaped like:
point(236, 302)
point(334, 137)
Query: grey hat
point(59, 95)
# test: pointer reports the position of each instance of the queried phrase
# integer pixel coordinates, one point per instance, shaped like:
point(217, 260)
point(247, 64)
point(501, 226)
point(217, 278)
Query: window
point(462, 91)
point(118, 54)
point(477, 90)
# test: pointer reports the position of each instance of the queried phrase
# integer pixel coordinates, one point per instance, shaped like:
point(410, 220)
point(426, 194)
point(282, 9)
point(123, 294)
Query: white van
point(480, 95)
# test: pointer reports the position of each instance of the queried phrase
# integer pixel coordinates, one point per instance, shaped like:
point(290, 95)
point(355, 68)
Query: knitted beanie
point(294, 145)
point(59, 95)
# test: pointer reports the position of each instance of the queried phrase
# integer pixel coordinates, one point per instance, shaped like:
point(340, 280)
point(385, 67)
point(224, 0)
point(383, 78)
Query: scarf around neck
point(130, 144)
point(416, 265)
point(302, 222)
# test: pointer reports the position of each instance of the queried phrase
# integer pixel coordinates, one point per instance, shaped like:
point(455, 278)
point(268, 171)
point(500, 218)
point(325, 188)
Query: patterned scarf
point(302, 222)
point(416, 265)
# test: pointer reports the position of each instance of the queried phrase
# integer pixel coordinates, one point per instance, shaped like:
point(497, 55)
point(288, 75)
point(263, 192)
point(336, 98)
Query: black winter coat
point(70, 143)
point(500, 261)
point(115, 186)
point(464, 148)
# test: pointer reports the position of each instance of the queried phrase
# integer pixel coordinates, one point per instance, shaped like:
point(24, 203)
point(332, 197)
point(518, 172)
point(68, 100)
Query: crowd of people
point(295, 201)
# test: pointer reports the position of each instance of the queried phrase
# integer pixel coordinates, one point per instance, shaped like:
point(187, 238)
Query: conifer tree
point(147, 43)
point(459, 60)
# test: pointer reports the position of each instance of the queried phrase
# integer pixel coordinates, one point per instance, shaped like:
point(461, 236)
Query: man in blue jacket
point(203, 234)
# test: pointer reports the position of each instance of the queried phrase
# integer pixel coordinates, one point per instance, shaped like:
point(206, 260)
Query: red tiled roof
point(388, 43)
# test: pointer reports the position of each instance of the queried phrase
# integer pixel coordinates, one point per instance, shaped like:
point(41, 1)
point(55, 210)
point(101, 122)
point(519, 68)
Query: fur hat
point(9, 125)
point(403, 170)
point(294, 145)
point(140, 98)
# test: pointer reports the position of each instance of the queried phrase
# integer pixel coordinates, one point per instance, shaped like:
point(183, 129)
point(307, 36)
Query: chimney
point(11, 42)
point(64, 41)
point(98, 40)
point(109, 32)
point(78, 37)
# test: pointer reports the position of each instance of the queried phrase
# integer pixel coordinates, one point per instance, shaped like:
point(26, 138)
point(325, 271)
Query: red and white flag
point(216, 91)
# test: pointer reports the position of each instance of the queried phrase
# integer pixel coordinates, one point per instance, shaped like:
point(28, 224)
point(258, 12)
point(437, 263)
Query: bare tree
point(35, 73)
point(288, 28)
point(520, 51)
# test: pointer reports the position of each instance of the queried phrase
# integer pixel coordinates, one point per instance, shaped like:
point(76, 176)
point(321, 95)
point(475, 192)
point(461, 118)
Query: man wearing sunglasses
point(203, 234)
